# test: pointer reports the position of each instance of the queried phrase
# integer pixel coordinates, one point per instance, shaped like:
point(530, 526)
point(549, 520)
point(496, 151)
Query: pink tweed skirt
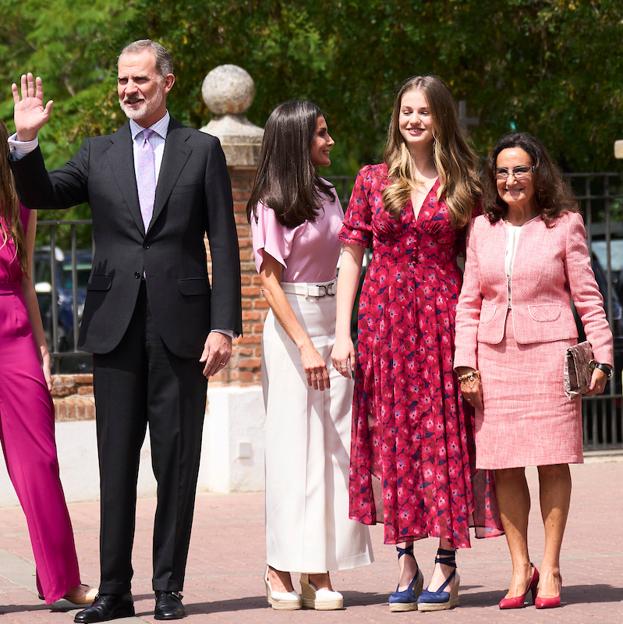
point(527, 419)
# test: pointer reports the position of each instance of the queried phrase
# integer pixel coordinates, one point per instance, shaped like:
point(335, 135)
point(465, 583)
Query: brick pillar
point(228, 90)
point(244, 366)
point(254, 306)
point(233, 433)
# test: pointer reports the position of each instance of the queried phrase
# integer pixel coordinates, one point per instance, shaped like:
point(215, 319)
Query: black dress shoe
point(169, 606)
point(107, 607)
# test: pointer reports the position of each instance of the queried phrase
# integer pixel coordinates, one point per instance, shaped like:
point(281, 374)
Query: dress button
point(137, 275)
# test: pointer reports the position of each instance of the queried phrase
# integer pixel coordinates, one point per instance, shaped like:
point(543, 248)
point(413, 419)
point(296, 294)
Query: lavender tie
point(146, 176)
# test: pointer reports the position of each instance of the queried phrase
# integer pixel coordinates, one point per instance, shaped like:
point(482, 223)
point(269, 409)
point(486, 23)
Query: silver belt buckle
point(326, 290)
point(321, 290)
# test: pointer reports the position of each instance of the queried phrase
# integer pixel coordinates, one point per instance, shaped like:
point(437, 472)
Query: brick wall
point(73, 397)
point(244, 366)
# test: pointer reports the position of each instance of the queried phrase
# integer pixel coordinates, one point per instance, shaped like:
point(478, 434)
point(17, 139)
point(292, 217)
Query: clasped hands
point(316, 372)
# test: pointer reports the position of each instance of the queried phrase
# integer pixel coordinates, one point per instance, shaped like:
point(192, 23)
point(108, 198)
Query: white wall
point(232, 456)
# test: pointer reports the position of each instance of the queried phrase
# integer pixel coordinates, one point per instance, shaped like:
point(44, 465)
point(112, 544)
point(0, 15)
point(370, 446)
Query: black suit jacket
point(193, 198)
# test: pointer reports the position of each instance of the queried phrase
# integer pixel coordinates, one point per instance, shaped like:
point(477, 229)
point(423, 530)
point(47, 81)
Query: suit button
point(145, 246)
point(137, 275)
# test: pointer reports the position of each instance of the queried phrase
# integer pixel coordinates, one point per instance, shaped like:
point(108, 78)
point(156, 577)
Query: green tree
point(551, 67)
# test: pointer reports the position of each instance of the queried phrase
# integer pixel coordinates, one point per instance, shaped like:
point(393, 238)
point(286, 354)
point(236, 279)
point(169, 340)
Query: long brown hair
point(455, 161)
point(286, 179)
point(552, 195)
point(10, 223)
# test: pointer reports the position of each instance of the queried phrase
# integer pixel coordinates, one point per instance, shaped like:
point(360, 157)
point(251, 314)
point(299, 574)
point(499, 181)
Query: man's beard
point(134, 113)
point(145, 108)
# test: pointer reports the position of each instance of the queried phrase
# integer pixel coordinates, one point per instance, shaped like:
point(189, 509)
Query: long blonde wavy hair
point(10, 223)
point(455, 161)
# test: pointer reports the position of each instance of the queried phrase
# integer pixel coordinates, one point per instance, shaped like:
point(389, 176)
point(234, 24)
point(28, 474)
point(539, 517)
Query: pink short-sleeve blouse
point(308, 252)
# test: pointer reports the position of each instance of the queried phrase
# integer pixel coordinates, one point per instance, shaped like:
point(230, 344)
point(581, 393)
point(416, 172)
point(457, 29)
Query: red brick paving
point(224, 577)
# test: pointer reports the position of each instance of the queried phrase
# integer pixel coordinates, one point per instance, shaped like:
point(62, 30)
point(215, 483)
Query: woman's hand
point(598, 382)
point(471, 388)
point(343, 357)
point(315, 367)
point(46, 366)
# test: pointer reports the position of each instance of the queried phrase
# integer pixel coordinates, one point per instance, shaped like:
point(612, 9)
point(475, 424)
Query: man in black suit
point(156, 326)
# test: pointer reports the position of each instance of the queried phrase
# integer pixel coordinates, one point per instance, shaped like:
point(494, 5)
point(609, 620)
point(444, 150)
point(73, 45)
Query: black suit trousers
point(137, 384)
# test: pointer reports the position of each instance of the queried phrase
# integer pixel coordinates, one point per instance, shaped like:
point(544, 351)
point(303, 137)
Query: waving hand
point(29, 112)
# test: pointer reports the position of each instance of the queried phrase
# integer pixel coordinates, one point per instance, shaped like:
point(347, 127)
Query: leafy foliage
point(552, 67)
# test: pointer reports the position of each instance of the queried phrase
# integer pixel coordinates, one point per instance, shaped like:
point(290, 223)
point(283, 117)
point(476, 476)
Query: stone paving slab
point(224, 576)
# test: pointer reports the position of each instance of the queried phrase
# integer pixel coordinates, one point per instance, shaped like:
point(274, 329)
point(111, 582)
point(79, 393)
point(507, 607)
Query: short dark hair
point(286, 179)
point(552, 194)
point(164, 60)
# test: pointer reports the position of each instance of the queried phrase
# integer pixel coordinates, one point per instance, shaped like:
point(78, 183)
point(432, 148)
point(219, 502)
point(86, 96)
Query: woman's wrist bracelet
point(604, 368)
point(473, 375)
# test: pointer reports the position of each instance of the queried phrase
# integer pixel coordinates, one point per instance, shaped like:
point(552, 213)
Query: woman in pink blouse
point(295, 218)
point(526, 260)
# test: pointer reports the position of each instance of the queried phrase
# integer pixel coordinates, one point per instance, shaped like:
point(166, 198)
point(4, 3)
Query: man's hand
point(29, 113)
point(216, 353)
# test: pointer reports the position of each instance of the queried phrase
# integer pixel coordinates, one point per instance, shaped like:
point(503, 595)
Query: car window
point(616, 251)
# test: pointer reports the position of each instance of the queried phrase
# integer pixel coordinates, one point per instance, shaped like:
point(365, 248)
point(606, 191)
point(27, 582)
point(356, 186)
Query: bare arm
point(343, 354)
point(313, 363)
point(32, 304)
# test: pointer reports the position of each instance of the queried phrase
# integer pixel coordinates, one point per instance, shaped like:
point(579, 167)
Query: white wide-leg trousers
point(307, 452)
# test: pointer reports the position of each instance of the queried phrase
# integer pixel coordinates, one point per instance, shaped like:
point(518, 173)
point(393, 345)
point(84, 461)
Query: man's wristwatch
point(604, 368)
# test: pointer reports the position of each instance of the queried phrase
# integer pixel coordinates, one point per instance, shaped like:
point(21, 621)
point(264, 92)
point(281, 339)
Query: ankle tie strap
point(405, 551)
point(446, 557)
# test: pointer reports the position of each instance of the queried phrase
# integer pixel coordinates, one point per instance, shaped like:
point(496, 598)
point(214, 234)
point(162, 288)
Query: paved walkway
point(224, 578)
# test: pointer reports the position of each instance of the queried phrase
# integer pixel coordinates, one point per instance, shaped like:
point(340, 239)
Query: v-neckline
point(416, 217)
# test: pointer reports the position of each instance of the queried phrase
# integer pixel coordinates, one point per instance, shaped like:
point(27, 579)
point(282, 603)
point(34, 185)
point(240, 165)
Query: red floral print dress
point(410, 428)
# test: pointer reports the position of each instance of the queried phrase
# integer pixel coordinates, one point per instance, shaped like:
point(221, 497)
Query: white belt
point(310, 289)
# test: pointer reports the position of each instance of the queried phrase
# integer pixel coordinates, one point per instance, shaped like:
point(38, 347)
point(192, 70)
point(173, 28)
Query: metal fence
point(600, 196)
point(63, 265)
point(60, 273)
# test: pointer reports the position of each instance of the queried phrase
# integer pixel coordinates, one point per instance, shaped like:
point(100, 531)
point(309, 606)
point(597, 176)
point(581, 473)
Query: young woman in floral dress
point(410, 428)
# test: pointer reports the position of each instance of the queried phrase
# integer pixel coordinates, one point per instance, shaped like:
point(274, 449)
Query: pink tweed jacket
point(552, 268)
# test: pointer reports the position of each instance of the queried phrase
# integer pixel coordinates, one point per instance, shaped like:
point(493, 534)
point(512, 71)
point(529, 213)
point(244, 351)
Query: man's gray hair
point(164, 60)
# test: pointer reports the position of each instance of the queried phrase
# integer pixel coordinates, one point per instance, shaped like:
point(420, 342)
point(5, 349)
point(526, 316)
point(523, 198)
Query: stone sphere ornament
point(228, 89)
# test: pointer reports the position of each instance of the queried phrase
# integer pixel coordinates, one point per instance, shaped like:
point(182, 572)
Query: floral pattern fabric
point(410, 428)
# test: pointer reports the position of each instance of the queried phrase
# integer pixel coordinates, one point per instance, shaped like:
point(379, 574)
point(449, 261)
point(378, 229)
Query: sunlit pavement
point(226, 562)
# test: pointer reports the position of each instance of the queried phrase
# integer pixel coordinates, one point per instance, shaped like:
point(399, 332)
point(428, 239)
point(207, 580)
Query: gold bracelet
point(469, 377)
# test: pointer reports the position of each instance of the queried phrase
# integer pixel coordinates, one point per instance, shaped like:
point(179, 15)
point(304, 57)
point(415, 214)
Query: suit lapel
point(121, 159)
point(176, 153)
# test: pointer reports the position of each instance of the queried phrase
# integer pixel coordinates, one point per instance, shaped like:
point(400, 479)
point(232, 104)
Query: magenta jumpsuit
point(27, 434)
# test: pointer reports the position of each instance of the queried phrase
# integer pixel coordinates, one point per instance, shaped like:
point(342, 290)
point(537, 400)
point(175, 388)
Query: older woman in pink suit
point(526, 260)
point(26, 410)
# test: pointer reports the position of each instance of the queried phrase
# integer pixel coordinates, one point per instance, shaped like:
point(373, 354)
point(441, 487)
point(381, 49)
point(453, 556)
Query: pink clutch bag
point(578, 369)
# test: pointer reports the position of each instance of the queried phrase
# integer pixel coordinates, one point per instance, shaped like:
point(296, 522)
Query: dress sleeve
point(357, 226)
point(585, 293)
point(270, 237)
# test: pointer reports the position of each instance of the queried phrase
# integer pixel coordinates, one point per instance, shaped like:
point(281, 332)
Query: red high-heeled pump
point(548, 602)
point(518, 602)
